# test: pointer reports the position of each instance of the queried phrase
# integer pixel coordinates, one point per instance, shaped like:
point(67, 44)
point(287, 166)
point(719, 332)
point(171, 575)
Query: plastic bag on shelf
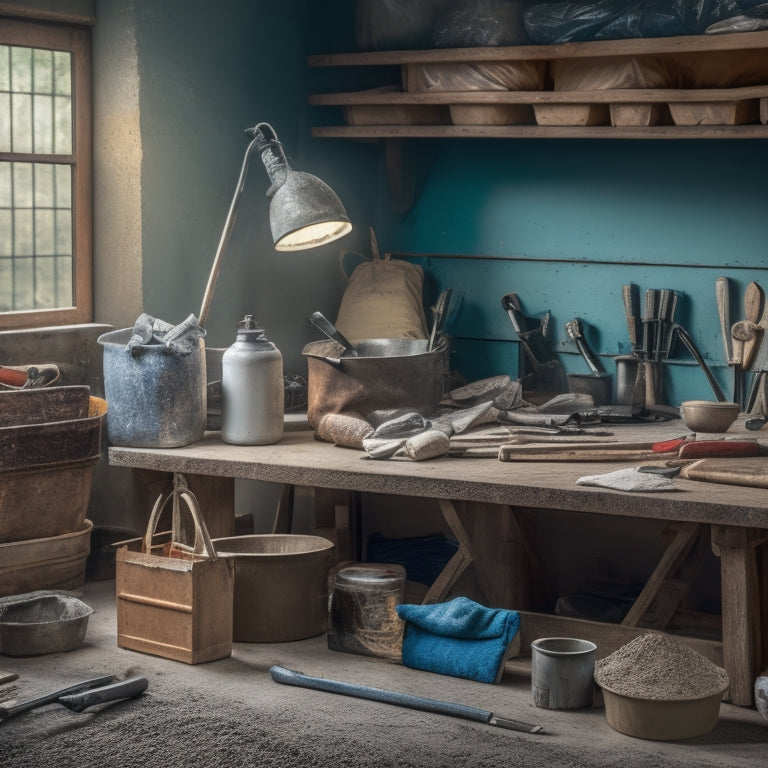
point(481, 23)
point(561, 22)
point(382, 25)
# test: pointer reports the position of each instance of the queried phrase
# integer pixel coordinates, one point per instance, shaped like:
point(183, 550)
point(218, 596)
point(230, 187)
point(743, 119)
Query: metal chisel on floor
point(289, 677)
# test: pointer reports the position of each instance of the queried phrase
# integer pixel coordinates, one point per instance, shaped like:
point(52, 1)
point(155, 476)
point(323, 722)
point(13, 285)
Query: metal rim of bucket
point(584, 646)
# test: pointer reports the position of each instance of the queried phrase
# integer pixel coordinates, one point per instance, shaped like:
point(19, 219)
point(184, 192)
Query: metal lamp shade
point(305, 213)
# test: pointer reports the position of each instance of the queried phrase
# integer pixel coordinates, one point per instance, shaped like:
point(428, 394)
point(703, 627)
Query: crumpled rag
point(631, 479)
point(460, 638)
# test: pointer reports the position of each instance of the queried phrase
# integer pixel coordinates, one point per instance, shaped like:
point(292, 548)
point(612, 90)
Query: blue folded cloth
point(460, 638)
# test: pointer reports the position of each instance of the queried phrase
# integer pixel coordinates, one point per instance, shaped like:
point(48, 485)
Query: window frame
point(76, 39)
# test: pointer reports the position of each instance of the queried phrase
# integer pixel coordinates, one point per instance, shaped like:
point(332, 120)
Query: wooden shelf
point(692, 113)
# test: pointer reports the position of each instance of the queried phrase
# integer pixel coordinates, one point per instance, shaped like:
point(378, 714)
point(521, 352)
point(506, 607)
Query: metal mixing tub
point(412, 379)
point(42, 622)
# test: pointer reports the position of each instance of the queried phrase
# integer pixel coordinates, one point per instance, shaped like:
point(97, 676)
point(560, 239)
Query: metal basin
point(391, 347)
point(42, 622)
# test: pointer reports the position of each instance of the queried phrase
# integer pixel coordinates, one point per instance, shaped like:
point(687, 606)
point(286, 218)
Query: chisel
point(289, 677)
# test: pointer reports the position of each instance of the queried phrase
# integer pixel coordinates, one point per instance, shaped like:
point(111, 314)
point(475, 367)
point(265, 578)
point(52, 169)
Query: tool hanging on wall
point(747, 336)
point(546, 369)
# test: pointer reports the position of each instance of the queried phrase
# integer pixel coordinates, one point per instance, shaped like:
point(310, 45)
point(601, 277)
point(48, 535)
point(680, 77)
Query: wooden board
point(752, 472)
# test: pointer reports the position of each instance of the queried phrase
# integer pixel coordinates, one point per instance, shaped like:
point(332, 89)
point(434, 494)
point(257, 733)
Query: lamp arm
point(228, 225)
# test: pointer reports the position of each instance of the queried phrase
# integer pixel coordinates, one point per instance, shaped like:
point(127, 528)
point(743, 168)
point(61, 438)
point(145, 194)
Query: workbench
point(482, 501)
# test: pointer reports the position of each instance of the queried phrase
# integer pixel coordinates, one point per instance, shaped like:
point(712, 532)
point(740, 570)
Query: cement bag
point(383, 299)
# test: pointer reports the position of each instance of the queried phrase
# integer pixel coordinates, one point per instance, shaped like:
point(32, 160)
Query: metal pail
point(415, 381)
point(156, 399)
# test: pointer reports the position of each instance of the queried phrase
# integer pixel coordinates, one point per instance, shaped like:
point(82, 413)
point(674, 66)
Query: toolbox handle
point(203, 544)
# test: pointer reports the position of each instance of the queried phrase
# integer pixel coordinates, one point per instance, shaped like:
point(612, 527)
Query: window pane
point(5, 185)
point(65, 296)
point(23, 241)
point(5, 122)
point(63, 174)
point(42, 139)
point(5, 68)
point(21, 70)
point(64, 232)
point(42, 71)
point(6, 284)
point(21, 127)
point(22, 185)
point(44, 233)
point(62, 64)
point(23, 284)
point(44, 190)
point(6, 233)
point(63, 121)
point(45, 287)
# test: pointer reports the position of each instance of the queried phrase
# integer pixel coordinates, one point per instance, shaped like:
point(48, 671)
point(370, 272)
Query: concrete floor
point(231, 713)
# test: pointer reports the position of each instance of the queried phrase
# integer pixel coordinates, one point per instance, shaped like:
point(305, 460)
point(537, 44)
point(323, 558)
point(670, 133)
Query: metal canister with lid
point(362, 616)
point(252, 390)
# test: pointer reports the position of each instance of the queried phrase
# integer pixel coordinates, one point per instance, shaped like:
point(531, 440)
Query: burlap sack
point(383, 298)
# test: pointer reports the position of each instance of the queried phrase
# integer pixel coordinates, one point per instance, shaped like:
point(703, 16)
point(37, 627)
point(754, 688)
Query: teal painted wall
point(565, 223)
point(207, 72)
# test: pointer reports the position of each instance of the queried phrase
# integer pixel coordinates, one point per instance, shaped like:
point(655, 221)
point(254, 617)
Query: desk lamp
point(304, 213)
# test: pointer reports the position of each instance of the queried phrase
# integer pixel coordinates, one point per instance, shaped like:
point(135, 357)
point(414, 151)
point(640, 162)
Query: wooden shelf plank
point(542, 132)
point(623, 95)
point(629, 47)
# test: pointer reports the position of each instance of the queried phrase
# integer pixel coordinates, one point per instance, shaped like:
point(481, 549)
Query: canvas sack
point(383, 298)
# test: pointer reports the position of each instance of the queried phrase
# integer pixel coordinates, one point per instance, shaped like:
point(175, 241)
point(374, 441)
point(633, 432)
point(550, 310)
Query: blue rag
point(460, 638)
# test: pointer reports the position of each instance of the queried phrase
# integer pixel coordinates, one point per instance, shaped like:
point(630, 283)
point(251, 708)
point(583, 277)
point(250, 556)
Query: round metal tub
point(414, 381)
point(281, 585)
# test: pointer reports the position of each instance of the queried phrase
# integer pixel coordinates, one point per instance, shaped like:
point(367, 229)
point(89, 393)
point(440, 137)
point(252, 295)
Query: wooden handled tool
point(722, 295)
point(754, 303)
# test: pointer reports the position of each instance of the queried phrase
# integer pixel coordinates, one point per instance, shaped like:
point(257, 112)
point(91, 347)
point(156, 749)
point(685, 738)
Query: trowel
point(80, 696)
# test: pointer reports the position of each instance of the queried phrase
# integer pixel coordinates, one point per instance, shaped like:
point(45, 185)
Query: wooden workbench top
point(300, 459)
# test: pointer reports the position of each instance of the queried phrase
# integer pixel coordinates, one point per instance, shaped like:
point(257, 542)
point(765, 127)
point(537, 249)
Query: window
point(45, 174)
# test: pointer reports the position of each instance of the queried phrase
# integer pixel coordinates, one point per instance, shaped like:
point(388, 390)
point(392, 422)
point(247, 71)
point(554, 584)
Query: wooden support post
point(742, 641)
point(487, 537)
point(660, 587)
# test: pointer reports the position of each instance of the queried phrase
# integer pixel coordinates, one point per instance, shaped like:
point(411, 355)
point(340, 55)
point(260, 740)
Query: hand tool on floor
point(289, 677)
point(78, 697)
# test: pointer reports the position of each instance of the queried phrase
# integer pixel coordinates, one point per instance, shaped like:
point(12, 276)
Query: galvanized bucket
point(156, 399)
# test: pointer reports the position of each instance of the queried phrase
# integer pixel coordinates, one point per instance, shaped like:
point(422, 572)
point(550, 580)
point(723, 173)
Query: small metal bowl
point(42, 622)
point(708, 415)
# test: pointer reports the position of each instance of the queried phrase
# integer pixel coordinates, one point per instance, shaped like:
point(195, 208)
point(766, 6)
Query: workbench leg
point(488, 539)
point(736, 548)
